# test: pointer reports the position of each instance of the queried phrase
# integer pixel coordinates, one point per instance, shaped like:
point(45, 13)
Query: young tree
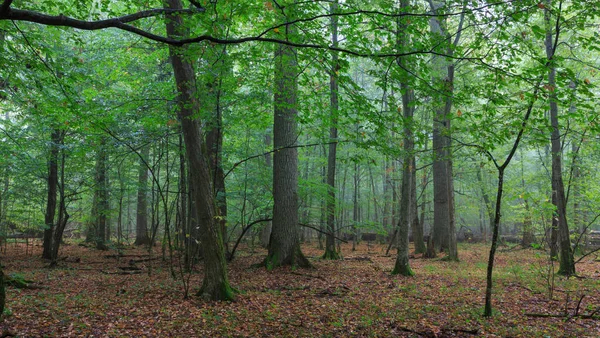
point(141, 218)
point(102, 206)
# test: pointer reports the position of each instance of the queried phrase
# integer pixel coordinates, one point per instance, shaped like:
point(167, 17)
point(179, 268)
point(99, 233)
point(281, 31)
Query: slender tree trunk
point(215, 285)
point(567, 265)
point(55, 141)
point(355, 206)
point(141, 219)
point(402, 265)
point(63, 216)
point(2, 292)
point(284, 246)
point(527, 237)
point(102, 191)
point(265, 233)
point(330, 250)
point(416, 223)
point(214, 136)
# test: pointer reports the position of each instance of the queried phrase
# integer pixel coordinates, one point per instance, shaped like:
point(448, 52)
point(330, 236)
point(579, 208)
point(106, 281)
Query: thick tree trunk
point(284, 246)
point(567, 265)
point(330, 249)
point(441, 127)
point(444, 232)
point(141, 218)
point(55, 141)
point(215, 285)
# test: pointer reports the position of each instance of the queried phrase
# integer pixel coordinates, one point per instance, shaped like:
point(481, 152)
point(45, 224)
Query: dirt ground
point(94, 294)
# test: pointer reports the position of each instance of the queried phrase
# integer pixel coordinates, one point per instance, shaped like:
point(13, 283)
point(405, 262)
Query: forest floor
point(87, 295)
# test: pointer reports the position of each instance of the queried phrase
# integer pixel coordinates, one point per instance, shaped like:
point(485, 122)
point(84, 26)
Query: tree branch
point(5, 6)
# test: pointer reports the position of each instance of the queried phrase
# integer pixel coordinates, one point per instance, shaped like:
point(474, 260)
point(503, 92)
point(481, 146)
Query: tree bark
point(567, 265)
point(218, 58)
point(284, 246)
point(63, 216)
point(330, 249)
point(215, 285)
point(141, 218)
point(444, 233)
point(402, 266)
point(102, 191)
point(265, 232)
point(55, 141)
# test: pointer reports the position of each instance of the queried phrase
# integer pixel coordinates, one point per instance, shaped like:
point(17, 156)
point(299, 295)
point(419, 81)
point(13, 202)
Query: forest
point(284, 168)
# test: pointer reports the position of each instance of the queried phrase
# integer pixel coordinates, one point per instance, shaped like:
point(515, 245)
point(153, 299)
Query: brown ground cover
point(353, 297)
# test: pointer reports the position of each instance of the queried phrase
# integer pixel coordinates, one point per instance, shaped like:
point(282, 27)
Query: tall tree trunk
point(402, 266)
point(102, 191)
point(416, 223)
point(215, 285)
point(355, 206)
point(63, 216)
point(330, 250)
point(214, 137)
point(444, 232)
point(141, 218)
point(265, 233)
point(284, 246)
point(55, 141)
point(527, 237)
point(567, 265)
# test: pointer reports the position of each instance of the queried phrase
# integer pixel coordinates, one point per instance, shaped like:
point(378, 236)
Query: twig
point(307, 275)
point(578, 304)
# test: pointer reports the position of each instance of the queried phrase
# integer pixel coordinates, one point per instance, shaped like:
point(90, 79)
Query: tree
point(408, 188)
point(215, 285)
point(101, 190)
point(330, 249)
point(56, 140)
point(141, 219)
point(567, 265)
point(444, 233)
point(284, 246)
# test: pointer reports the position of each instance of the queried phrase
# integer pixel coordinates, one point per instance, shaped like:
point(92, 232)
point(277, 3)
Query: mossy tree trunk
point(215, 285)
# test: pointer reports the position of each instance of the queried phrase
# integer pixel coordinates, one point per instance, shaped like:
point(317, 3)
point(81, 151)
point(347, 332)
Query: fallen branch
point(134, 272)
point(307, 275)
point(8, 333)
point(593, 315)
